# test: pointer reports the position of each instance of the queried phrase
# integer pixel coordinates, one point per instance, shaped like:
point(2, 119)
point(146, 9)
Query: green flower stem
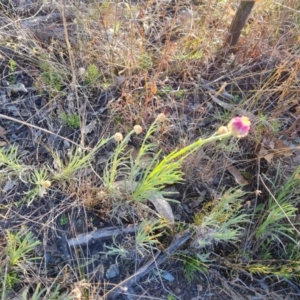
point(194, 146)
point(167, 171)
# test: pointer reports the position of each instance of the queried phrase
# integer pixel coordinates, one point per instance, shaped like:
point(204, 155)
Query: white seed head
point(46, 184)
point(118, 137)
point(161, 117)
point(137, 129)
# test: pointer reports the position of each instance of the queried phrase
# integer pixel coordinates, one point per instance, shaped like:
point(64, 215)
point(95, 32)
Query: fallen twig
point(104, 233)
point(39, 128)
point(154, 262)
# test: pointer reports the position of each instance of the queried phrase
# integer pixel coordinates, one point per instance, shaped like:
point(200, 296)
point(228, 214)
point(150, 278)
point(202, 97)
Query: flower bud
point(46, 184)
point(239, 126)
point(222, 130)
point(161, 117)
point(137, 129)
point(118, 137)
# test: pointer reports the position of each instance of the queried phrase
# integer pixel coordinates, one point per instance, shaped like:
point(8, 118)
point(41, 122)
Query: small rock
point(67, 145)
point(112, 271)
point(168, 276)
point(9, 186)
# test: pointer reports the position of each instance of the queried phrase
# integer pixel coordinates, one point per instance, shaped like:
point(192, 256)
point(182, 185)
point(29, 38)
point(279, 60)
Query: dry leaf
point(271, 146)
point(153, 88)
point(266, 154)
point(282, 148)
point(163, 208)
point(237, 175)
point(267, 141)
point(161, 205)
point(90, 127)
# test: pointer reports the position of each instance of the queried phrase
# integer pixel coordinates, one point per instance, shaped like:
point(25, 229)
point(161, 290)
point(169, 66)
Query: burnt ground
point(34, 97)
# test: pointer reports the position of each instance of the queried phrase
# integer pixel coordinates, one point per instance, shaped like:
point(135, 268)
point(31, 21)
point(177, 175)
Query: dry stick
point(71, 58)
point(154, 262)
point(239, 22)
point(103, 233)
point(41, 129)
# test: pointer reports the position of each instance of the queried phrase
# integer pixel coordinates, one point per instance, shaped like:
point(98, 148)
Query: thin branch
point(103, 233)
point(154, 262)
point(41, 129)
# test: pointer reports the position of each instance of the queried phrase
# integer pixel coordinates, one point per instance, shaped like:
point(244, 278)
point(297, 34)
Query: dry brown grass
point(122, 63)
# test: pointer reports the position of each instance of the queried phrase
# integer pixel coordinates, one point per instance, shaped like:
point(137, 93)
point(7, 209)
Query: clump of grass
point(116, 250)
point(12, 69)
point(53, 80)
point(10, 159)
point(45, 293)
point(145, 61)
point(92, 75)
point(76, 160)
point(274, 236)
point(71, 120)
point(192, 266)
point(146, 241)
point(159, 172)
point(221, 220)
point(19, 248)
point(277, 215)
point(19, 245)
point(148, 234)
point(40, 179)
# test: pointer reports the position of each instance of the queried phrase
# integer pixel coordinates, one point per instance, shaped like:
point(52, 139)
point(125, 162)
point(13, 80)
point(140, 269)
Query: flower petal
point(239, 126)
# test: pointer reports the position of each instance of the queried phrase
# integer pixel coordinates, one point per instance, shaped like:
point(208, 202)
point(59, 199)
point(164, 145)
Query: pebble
point(112, 271)
point(168, 276)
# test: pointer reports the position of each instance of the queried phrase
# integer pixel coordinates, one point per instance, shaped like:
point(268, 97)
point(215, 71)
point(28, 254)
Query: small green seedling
point(71, 120)
point(10, 159)
point(92, 75)
point(77, 160)
point(12, 69)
